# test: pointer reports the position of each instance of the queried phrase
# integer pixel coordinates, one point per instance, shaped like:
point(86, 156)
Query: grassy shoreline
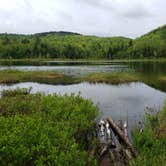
point(47, 60)
point(50, 77)
point(55, 78)
point(151, 143)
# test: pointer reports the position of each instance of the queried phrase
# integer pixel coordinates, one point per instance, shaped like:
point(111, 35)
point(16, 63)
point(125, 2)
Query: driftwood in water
point(125, 129)
point(122, 136)
point(114, 146)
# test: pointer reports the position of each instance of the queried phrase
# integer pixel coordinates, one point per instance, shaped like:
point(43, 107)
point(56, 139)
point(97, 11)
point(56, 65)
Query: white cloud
point(96, 17)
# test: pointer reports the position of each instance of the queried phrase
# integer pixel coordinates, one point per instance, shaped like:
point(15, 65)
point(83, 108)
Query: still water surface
point(119, 101)
point(126, 101)
point(73, 70)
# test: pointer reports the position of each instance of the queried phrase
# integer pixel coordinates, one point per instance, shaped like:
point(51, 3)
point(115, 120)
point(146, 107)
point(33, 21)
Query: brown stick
point(121, 136)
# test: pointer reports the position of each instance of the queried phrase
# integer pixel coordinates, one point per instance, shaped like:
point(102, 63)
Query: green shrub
point(46, 130)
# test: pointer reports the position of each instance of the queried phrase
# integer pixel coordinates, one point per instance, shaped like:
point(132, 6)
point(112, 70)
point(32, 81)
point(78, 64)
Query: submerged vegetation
point(68, 45)
point(151, 143)
point(45, 130)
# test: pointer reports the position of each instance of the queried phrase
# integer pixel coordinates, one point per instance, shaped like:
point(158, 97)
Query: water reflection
point(149, 72)
point(121, 102)
point(152, 68)
point(71, 70)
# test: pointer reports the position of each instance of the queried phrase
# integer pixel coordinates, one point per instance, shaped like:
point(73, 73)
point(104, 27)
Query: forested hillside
point(152, 44)
point(76, 46)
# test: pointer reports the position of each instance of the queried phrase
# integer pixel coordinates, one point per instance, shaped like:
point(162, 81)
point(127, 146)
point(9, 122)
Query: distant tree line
point(76, 46)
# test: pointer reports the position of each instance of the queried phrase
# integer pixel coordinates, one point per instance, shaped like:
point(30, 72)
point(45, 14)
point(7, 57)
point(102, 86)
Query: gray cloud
point(92, 2)
point(92, 17)
point(136, 10)
point(134, 14)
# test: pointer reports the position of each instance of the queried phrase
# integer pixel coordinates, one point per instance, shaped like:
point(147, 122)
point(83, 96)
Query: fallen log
point(121, 136)
point(125, 129)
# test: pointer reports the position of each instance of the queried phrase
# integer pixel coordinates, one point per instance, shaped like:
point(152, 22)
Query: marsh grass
point(15, 76)
point(50, 77)
point(151, 143)
point(112, 78)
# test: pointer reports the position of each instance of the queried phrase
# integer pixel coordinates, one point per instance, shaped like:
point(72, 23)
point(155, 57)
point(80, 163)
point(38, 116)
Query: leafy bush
point(46, 130)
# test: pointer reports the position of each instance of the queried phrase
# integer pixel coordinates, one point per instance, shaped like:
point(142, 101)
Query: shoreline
point(50, 77)
point(84, 60)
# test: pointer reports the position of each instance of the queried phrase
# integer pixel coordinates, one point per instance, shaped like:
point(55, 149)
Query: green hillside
point(152, 44)
point(76, 46)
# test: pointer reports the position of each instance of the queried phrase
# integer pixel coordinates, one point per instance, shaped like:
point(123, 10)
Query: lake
point(125, 101)
point(69, 69)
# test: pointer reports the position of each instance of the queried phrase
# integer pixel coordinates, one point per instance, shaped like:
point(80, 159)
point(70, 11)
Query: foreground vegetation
point(16, 76)
point(45, 130)
point(59, 130)
point(66, 45)
point(151, 143)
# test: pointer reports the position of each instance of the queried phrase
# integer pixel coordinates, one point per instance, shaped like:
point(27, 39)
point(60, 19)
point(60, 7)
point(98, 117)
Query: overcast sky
point(130, 18)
